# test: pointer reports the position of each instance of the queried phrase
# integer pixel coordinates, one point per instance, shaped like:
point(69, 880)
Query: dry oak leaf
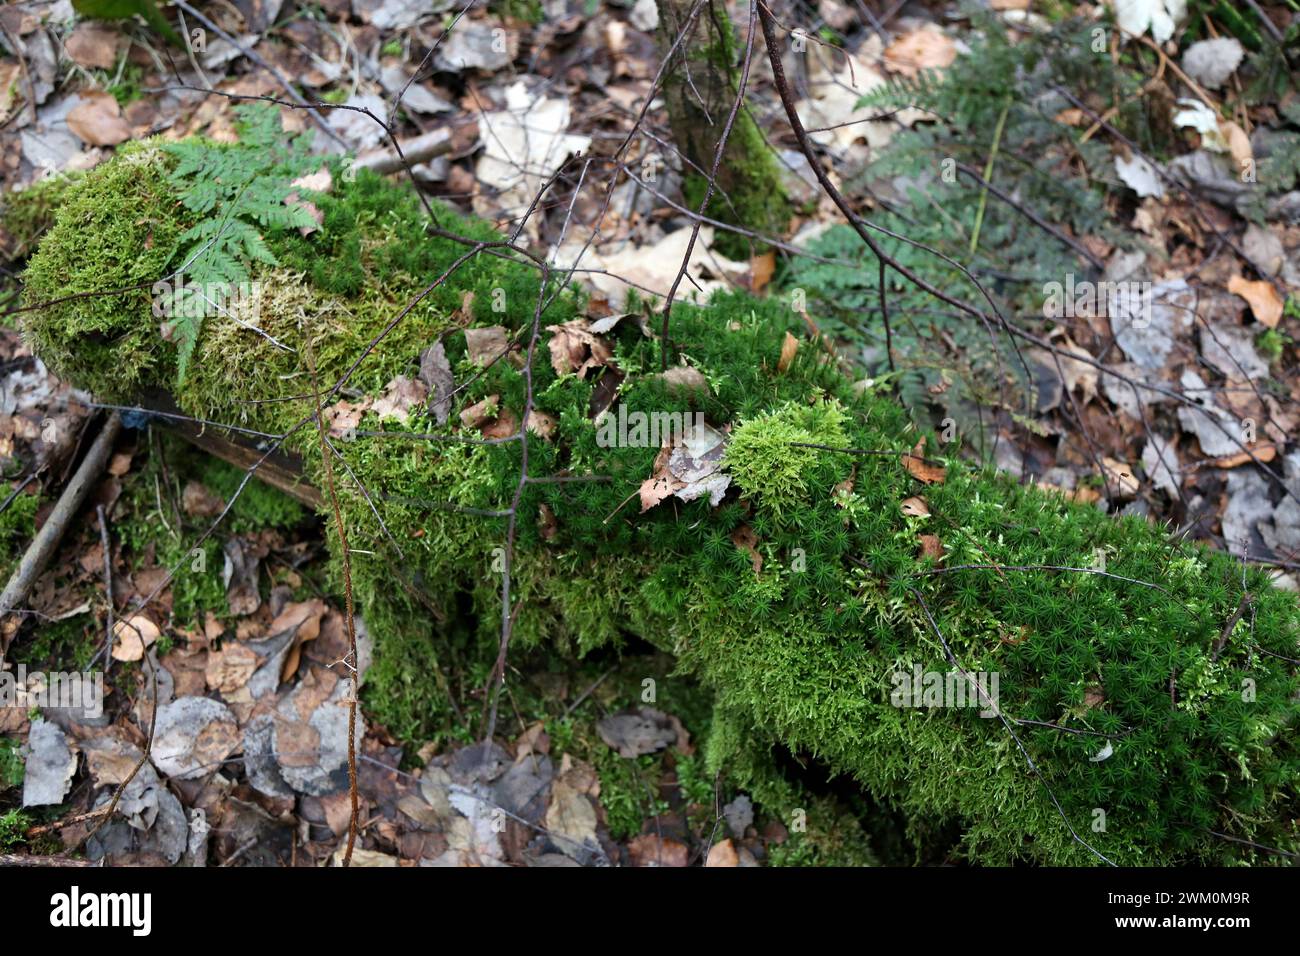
point(723, 854)
point(93, 46)
point(504, 425)
point(922, 470)
point(684, 378)
point(486, 345)
point(318, 182)
point(230, 668)
point(761, 269)
point(572, 816)
point(344, 417)
point(132, 636)
point(661, 482)
point(931, 547)
point(1261, 453)
point(97, 120)
point(199, 502)
point(481, 412)
point(1265, 304)
point(193, 736)
point(689, 468)
point(1074, 373)
point(119, 464)
point(401, 395)
point(304, 619)
point(1238, 144)
point(541, 424)
point(575, 348)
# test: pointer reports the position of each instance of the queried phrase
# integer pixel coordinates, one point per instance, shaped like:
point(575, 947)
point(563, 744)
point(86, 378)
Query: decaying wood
point(280, 470)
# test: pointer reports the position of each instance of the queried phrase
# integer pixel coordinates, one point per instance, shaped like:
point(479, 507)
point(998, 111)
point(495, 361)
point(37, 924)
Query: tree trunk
point(700, 89)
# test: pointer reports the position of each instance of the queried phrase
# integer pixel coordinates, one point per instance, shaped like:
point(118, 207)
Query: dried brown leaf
point(921, 469)
point(1265, 304)
point(915, 507)
point(789, 346)
point(931, 547)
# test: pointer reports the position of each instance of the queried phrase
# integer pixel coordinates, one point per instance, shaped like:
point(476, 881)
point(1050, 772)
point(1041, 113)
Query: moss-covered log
point(1154, 712)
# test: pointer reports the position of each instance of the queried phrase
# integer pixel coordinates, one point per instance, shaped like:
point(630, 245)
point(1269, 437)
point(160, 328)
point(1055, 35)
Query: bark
point(699, 90)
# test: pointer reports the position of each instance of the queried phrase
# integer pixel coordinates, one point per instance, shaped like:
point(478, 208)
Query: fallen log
point(790, 545)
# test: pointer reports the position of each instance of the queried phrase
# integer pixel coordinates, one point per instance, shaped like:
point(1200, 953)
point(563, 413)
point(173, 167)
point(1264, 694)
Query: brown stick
point(17, 859)
point(420, 149)
point(47, 539)
point(349, 614)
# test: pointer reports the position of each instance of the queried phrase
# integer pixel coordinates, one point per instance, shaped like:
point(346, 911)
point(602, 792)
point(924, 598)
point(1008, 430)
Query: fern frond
point(235, 191)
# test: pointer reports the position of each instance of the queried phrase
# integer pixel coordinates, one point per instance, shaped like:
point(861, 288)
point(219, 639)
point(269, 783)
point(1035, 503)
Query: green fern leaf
point(235, 192)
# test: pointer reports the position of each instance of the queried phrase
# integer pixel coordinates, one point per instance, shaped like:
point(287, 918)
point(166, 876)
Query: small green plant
point(126, 87)
point(1272, 342)
point(232, 189)
point(800, 652)
point(11, 763)
point(1292, 308)
point(13, 830)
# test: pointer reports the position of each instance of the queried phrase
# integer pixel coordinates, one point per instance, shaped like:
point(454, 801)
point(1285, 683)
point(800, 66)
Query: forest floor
point(1202, 207)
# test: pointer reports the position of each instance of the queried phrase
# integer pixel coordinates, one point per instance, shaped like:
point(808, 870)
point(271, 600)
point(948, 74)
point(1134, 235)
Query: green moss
point(12, 764)
point(25, 215)
point(128, 86)
point(771, 456)
point(17, 528)
point(114, 235)
point(69, 644)
point(258, 506)
point(802, 653)
point(13, 830)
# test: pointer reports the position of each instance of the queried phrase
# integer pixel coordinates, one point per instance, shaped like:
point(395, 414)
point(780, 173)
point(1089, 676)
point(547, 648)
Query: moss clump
point(774, 456)
point(113, 237)
point(17, 528)
point(259, 506)
point(802, 646)
point(13, 829)
point(12, 763)
point(26, 214)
